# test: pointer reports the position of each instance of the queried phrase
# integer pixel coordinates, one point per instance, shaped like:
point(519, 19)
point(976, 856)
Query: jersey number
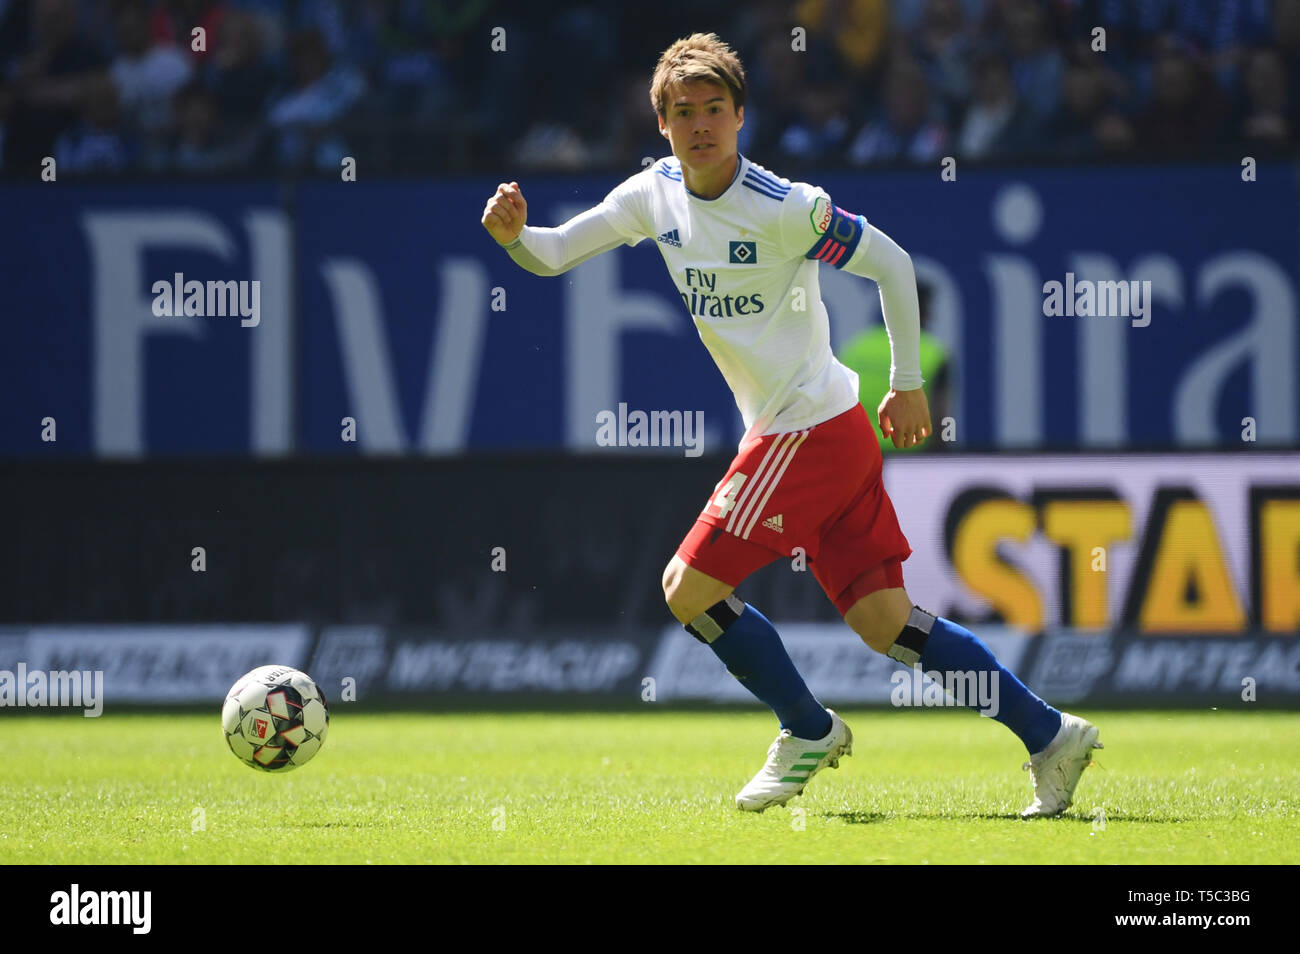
point(726, 496)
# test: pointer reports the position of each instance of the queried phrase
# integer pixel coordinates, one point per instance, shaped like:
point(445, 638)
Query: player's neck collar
point(740, 166)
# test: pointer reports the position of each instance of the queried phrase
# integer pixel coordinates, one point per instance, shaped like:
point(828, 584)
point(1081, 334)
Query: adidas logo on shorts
point(774, 523)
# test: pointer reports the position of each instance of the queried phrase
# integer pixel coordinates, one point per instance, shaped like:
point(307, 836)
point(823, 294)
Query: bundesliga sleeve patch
point(842, 235)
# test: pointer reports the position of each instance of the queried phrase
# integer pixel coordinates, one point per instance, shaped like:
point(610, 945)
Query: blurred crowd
point(211, 87)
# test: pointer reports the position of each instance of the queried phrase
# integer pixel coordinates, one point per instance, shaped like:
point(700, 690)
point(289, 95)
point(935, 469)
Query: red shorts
point(817, 489)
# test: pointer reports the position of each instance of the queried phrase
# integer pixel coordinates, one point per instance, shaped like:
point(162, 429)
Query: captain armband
point(840, 240)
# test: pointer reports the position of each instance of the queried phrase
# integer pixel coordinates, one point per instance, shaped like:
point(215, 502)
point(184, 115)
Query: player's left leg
point(888, 621)
point(860, 568)
point(1060, 744)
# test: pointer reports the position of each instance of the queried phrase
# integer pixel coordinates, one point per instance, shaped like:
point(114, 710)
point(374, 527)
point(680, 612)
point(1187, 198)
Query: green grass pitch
point(646, 787)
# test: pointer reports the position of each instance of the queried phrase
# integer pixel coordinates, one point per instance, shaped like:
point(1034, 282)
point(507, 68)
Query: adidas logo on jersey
point(671, 238)
point(775, 523)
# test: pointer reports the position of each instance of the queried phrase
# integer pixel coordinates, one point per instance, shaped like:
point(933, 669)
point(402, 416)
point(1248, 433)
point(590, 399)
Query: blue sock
point(953, 648)
point(752, 651)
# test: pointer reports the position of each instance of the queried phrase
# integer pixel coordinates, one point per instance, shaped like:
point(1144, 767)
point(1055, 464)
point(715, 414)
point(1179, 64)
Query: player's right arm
point(548, 251)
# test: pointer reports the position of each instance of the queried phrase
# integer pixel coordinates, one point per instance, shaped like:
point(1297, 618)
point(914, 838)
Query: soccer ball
point(275, 719)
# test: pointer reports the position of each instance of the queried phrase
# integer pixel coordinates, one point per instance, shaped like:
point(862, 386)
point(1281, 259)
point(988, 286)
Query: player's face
point(701, 124)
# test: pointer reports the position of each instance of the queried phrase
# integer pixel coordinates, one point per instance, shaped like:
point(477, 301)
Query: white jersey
point(745, 265)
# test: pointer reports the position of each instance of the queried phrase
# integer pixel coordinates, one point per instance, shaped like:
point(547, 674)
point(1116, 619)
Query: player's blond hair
point(698, 57)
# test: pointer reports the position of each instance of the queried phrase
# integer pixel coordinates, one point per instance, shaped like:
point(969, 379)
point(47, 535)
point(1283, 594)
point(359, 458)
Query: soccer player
point(744, 246)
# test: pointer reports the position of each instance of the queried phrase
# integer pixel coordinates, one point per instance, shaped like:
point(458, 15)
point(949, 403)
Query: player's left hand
point(905, 417)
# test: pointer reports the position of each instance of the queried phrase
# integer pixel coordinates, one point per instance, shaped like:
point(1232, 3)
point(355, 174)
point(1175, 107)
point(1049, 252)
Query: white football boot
point(1055, 771)
point(791, 762)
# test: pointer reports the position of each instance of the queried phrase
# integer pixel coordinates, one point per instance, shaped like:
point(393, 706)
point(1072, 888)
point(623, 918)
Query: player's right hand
point(505, 213)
